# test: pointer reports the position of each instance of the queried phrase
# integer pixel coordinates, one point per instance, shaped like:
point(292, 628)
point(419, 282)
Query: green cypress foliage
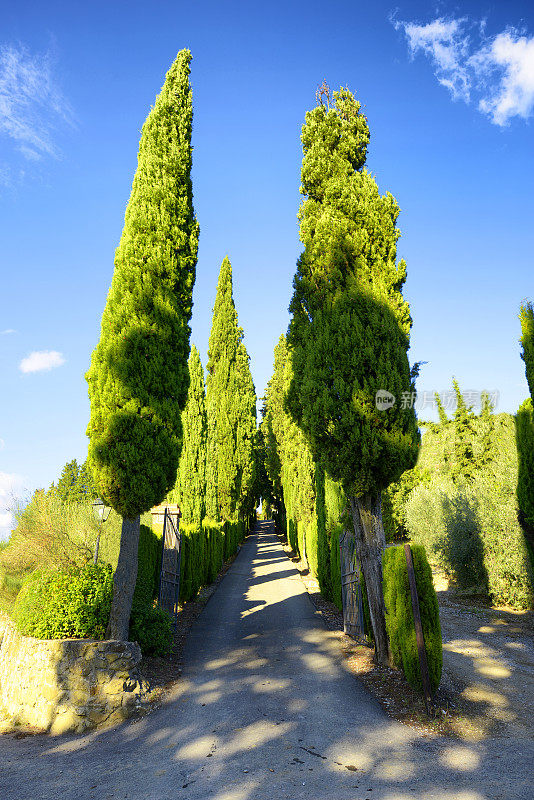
point(246, 435)
point(349, 332)
point(190, 489)
point(221, 392)
point(231, 401)
point(526, 317)
point(525, 430)
point(138, 378)
point(75, 484)
point(399, 615)
point(464, 464)
point(443, 418)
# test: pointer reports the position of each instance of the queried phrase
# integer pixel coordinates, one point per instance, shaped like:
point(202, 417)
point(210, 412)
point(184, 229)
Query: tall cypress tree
point(246, 435)
point(190, 489)
point(138, 378)
point(349, 331)
point(525, 428)
point(231, 403)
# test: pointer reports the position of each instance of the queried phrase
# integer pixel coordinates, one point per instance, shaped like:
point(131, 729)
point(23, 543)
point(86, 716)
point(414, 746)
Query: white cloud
point(510, 57)
point(7, 331)
point(41, 360)
point(498, 71)
point(31, 104)
point(11, 487)
point(444, 41)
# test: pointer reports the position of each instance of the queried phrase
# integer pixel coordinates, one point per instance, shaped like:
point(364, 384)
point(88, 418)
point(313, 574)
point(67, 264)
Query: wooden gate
point(351, 593)
point(171, 557)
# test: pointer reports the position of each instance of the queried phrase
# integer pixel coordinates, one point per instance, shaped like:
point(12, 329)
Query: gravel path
point(264, 711)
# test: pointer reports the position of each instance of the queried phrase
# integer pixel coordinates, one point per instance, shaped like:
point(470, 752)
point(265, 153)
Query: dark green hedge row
point(399, 614)
point(205, 547)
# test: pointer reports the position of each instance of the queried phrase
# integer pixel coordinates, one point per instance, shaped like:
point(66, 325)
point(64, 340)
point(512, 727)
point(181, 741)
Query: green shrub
point(151, 628)
point(66, 604)
point(425, 517)
point(462, 547)
point(399, 615)
point(394, 500)
point(471, 530)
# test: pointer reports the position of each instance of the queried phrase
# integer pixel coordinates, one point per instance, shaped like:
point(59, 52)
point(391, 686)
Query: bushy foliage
point(49, 535)
point(472, 532)
point(399, 615)
point(524, 425)
point(394, 502)
point(72, 603)
point(424, 514)
point(151, 628)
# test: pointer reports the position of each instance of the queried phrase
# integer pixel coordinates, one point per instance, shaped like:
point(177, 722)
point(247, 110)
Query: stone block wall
point(65, 685)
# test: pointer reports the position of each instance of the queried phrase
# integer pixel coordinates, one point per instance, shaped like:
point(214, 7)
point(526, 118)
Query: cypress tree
point(190, 489)
point(138, 378)
point(231, 402)
point(246, 435)
point(349, 331)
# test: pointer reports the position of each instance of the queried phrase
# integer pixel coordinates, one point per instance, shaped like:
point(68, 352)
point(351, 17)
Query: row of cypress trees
point(217, 471)
point(146, 397)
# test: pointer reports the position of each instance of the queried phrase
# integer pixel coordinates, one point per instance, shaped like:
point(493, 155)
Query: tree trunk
point(124, 580)
point(370, 543)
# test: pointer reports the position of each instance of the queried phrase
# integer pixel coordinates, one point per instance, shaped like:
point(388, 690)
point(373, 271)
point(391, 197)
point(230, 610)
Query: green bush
point(394, 500)
point(399, 615)
point(471, 530)
point(425, 517)
point(66, 604)
point(151, 628)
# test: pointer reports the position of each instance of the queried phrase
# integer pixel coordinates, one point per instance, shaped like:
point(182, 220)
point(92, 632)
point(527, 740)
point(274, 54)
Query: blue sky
point(449, 94)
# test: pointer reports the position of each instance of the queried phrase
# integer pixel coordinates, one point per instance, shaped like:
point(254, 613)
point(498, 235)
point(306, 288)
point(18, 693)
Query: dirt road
point(264, 711)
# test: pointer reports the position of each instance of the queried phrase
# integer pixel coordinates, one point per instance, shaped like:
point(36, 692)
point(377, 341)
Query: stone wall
point(65, 685)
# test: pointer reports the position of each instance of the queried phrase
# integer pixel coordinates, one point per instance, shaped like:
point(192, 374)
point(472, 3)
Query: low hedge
point(205, 547)
point(399, 614)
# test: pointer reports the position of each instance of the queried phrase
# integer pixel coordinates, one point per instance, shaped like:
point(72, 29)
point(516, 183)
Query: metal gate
point(351, 593)
point(171, 557)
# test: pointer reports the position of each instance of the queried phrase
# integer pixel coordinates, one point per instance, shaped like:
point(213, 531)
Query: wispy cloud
point(7, 331)
point(496, 72)
point(32, 106)
point(11, 488)
point(41, 361)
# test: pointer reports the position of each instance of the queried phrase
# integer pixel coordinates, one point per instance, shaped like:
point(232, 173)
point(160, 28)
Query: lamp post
point(101, 512)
